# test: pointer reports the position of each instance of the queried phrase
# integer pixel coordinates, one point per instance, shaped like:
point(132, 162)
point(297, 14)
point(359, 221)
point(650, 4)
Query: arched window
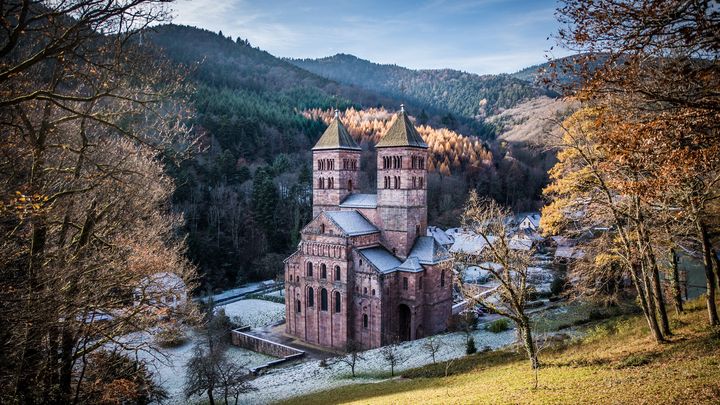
point(309, 269)
point(421, 182)
point(365, 290)
point(337, 301)
point(322, 228)
point(337, 273)
point(323, 271)
point(311, 297)
point(323, 300)
point(297, 279)
point(405, 283)
point(442, 278)
point(349, 185)
point(373, 292)
point(365, 321)
point(298, 306)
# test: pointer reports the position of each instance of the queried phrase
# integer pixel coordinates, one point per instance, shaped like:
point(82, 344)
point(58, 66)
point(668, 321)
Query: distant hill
point(464, 94)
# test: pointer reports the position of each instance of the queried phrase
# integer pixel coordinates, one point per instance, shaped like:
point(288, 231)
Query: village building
point(365, 269)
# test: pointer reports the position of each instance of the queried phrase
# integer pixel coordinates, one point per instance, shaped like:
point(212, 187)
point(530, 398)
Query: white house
point(530, 222)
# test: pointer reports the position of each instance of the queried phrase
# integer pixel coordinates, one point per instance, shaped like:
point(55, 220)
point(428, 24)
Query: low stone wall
point(264, 346)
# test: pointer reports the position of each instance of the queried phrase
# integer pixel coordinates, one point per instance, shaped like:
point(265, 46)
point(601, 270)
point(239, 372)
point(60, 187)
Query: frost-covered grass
point(255, 313)
point(304, 378)
point(617, 362)
point(168, 364)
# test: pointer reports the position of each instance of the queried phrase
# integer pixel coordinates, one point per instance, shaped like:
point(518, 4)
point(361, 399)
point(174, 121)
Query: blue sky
point(479, 36)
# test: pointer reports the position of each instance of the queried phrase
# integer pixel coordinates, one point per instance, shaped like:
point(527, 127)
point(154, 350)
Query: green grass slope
point(616, 362)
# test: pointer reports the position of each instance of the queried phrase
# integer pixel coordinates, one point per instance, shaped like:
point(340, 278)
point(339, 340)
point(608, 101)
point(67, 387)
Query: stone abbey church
point(365, 270)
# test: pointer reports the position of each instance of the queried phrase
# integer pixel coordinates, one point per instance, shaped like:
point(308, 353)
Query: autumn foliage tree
point(645, 153)
point(86, 115)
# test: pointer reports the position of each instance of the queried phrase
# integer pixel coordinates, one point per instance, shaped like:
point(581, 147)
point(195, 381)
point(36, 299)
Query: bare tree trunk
point(717, 266)
point(709, 274)
point(651, 303)
point(530, 349)
point(677, 294)
point(649, 254)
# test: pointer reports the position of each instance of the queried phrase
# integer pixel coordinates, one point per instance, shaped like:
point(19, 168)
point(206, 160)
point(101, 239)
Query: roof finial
point(402, 108)
point(337, 113)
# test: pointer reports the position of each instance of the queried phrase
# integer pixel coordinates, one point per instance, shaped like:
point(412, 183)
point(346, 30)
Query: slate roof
point(412, 264)
point(441, 236)
point(352, 223)
point(360, 201)
point(380, 258)
point(336, 137)
point(402, 132)
point(569, 252)
point(428, 251)
point(469, 244)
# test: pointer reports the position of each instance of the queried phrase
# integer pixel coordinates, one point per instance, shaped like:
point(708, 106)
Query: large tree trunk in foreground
point(709, 274)
point(530, 348)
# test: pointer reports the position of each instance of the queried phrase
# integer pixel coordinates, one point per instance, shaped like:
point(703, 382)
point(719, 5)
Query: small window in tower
point(309, 269)
point(311, 297)
point(365, 290)
point(421, 182)
point(322, 228)
point(373, 292)
point(298, 306)
point(337, 301)
point(337, 273)
point(361, 262)
point(365, 321)
point(414, 182)
point(420, 283)
point(405, 283)
point(323, 271)
point(349, 185)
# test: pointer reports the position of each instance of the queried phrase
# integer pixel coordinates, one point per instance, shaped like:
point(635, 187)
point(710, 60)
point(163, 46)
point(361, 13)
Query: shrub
point(470, 349)
point(596, 315)
point(170, 335)
point(558, 285)
point(499, 325)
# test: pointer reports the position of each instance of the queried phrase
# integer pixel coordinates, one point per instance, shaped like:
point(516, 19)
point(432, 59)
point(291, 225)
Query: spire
point(402, 132)
point(336, 136)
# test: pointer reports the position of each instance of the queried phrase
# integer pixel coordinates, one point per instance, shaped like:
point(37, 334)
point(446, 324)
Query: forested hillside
point(246, 196)
point(467, 97)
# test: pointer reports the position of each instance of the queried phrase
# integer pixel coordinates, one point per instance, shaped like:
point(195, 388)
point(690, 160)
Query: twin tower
point(399, 208)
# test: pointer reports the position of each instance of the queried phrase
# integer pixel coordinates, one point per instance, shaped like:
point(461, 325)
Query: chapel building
point(365, 270)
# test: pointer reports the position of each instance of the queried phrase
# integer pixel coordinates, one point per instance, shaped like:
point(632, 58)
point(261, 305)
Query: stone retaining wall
point(264, 346)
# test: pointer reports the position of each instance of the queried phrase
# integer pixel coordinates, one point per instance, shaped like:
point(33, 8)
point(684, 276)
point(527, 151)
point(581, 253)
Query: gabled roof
point(360, 201)
point(469, 244)
point(380, 258)
point(412, 264)
point(336, 137)
point(352, 223)
point(441, 236)
point(402, 132)
point(428, 251)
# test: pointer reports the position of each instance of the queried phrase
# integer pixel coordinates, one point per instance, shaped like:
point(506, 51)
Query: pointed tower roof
point(402, 132)
point(336, 137)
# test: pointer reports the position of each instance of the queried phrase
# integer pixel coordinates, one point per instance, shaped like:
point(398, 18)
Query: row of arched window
point(392, 162)
point(417, 162)
point(310, 302)
point(326, 164)
point(350, 164)
point(322, 249)
point(326, 183)
point(392, 182)
point(418, 182)
point(323, 271)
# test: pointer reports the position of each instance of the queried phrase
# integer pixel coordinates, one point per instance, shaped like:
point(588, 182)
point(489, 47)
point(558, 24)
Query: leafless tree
point(486, 219)
point(353, 354)
point(434, 345)
point(393, 355)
